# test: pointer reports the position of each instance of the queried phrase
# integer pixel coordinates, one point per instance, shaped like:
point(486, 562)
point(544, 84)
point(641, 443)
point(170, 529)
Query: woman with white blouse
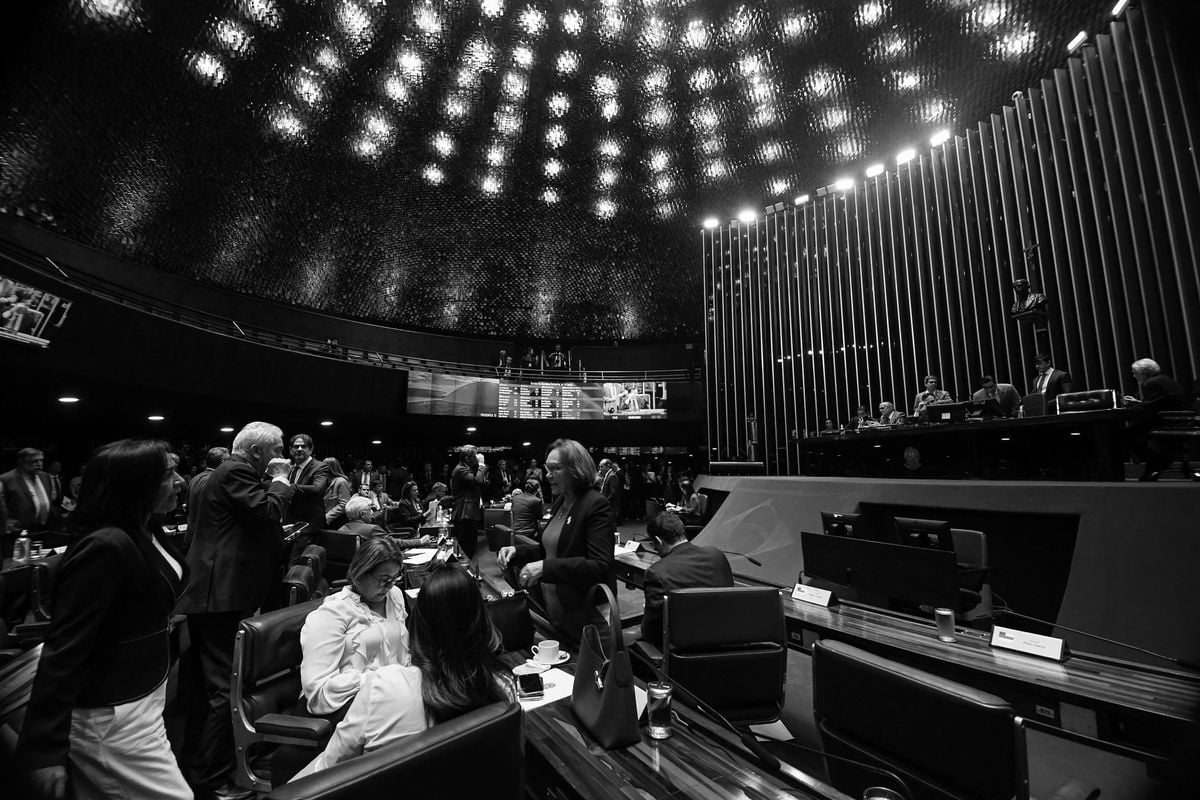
point(355, 631)
point(455, 669)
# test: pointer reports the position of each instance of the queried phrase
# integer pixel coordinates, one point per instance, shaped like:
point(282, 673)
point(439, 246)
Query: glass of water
point(658, 709)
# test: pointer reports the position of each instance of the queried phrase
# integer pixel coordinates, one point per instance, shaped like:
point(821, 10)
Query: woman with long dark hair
point(95, 716)
point(455, 669)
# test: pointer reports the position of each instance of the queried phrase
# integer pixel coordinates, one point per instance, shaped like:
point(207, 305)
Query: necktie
point(292, 477)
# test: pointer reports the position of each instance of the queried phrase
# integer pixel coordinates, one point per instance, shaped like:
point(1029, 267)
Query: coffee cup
point(546, 652)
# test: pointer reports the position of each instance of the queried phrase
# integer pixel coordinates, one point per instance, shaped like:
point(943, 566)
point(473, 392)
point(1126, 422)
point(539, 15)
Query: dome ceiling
point(485, 167)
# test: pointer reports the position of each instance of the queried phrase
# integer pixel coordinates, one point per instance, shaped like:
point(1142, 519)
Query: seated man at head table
point(931, 394)
point(681, 565)
point(888, 415)
point(1005, 395)
point(1157, 392)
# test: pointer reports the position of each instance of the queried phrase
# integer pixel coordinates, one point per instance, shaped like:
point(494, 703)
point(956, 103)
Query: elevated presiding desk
point(1086, 445)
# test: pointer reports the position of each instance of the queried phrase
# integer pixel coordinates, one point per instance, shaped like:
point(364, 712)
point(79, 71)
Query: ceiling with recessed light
point(487, 167)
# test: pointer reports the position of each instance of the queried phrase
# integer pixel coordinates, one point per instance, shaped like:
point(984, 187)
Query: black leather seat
point(266, 685)
point(727, 646)
point(945, 739)
point(479, 754)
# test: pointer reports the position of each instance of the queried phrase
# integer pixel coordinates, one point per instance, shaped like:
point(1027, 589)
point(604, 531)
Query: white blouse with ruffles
point(342, 640)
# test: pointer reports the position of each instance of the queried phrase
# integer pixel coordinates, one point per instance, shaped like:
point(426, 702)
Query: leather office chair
point(314, 558)
point(946, 740)
point(300, 585)
point(339, 550)
point(26, 604)
point(727, 646)
point(975, 569)
point(1090, 400)
point(431, 763)
point(266, 684)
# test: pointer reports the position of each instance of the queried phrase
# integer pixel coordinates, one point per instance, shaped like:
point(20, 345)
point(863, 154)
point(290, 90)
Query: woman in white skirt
point(95, 717)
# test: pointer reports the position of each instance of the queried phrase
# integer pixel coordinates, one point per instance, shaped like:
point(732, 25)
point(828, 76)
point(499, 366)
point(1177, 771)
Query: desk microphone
point(764, 756)
point(1177, 661)
point(753, 561)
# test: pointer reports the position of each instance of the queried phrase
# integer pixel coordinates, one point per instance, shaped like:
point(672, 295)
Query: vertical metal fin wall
point(855, 296)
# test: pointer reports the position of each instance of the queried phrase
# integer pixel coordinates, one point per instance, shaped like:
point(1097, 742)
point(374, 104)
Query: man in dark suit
point(364, 477)
point(468, 482)
point(1049, 381)
point(215, 457)
point(309, 478)
point(27, 494)
point(610, 486)
point(234, 561)
point(681, 565)
point(1005, 394)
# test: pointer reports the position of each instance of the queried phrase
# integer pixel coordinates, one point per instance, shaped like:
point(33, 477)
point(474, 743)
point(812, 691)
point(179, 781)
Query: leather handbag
point(512, 619)
point(602, 695)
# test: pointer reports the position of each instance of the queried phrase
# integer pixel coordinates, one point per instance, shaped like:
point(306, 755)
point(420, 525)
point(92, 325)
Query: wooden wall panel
point(1088, 184)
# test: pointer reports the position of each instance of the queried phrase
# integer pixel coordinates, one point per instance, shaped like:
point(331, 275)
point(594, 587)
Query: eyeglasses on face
point(384, 580)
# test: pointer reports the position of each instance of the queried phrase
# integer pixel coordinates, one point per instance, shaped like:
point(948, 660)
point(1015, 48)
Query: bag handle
point(614, 624)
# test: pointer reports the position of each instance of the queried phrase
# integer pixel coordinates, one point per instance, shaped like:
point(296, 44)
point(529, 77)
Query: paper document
point(419, 555)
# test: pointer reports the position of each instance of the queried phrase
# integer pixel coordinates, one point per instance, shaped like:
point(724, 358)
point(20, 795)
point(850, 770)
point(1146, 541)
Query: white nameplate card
point(1031, 644)
point(811, 594)
point(625, 547)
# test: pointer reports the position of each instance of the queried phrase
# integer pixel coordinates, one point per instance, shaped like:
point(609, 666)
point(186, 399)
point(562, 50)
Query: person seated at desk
point(361, 512)
point(688, 507)
point(681, 565)
point(358, 629)
point(888, 415)
point(408, 513)
point(1157, 392)
point(455, 669)
point(931, 394)
point(1005, 395)
point(437, 501)
point(860, 419)
point(527, 510)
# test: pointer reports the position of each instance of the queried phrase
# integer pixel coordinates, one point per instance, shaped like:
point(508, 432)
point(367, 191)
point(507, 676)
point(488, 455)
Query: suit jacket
point(194, 490)
point(109, 641)
point(1059, 382)
point(468, 486)
point(1007, 397)
point(359, 477)
point(583, 557)
point(527, 510)
point(685, 566)
point(1159, 393)
point(308, 497)
point(236, 552)
point(19, 501)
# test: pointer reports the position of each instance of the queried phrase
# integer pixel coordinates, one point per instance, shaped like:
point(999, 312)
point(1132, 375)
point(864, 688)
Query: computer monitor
point(985, 409)
point(882, 574)
point(930, 533)
point(942, 413)
point(836, 524)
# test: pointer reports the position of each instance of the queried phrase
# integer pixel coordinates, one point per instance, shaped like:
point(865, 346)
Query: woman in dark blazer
point(468, 482)
point(95, 715)
point(576, 550)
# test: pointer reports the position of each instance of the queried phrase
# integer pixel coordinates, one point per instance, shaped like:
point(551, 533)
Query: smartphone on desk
point(530, 686)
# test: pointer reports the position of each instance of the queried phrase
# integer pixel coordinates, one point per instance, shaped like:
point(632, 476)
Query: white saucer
point(562, 659)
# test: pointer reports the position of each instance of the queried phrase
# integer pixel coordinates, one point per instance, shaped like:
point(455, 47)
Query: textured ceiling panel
point(481, 166)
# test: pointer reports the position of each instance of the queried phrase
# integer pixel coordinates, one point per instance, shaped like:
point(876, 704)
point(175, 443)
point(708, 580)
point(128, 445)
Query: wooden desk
point(1084, 446)
point(1105, 698)
point(563, 761)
